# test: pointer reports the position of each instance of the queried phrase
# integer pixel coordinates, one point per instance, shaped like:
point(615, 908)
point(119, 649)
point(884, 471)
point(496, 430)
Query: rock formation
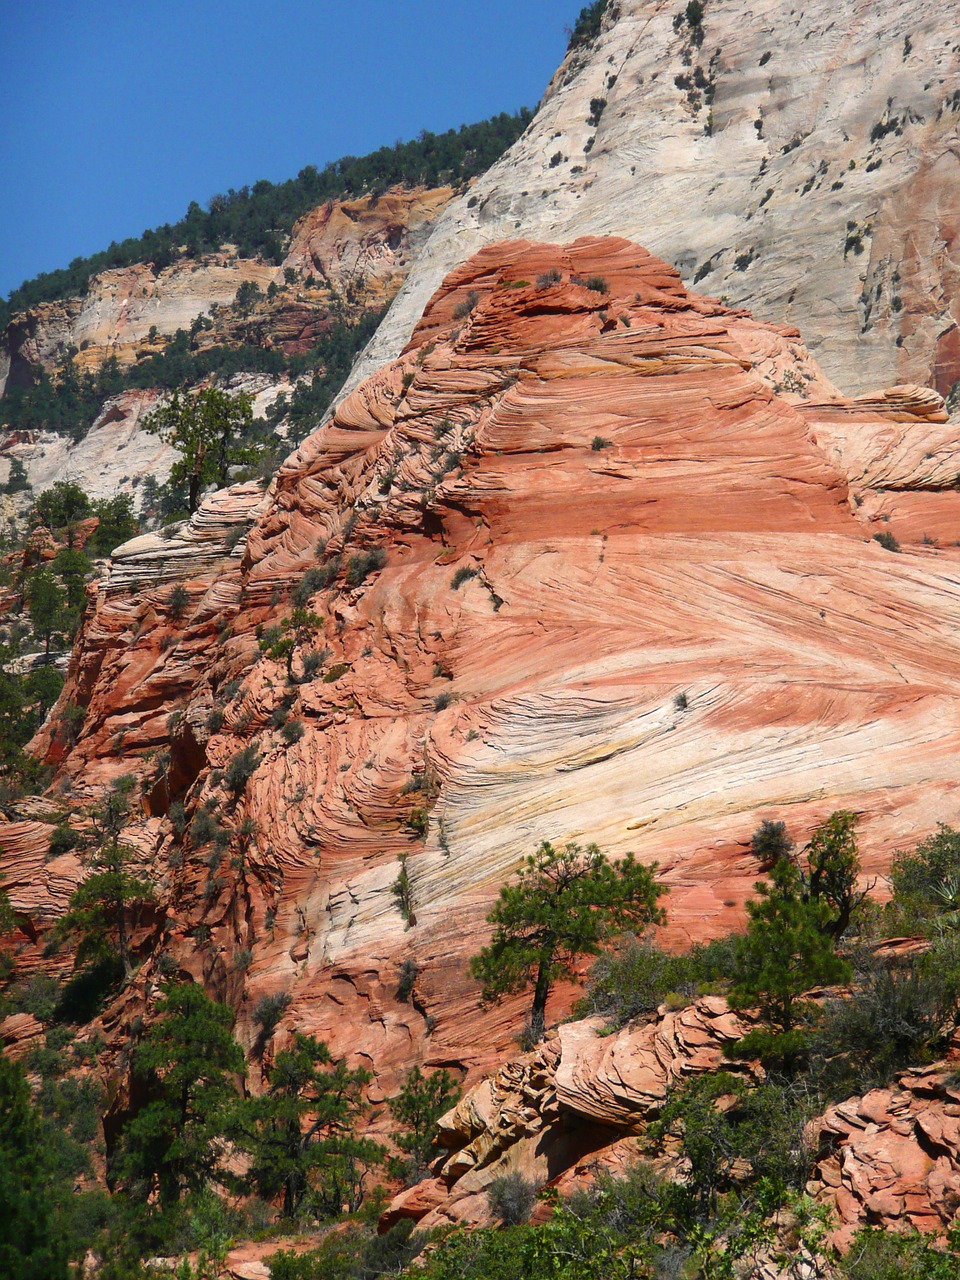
point(581, 1103)
point(580, 492)
point(894, 1155)
point(359, 247)
point(345, 258)
point(578, 1101)
point(802, 163)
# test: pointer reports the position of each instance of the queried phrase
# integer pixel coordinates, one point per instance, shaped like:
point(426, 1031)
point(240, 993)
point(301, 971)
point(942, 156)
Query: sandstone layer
point(582, 1102)
point(802, 163)
point(358, 252)
point(580, 493)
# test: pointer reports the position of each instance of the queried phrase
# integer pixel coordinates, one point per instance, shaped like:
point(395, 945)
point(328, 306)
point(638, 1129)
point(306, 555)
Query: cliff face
point(581, 492)
point(802, 163)
point(345, 258)
point(359, 250)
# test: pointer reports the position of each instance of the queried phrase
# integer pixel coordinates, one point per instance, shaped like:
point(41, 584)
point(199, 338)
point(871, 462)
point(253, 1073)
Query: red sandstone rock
point(646, 509)
point(897, 1156)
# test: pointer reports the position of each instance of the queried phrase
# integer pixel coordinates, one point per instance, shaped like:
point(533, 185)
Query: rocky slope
point(345, 258)
point(801, 162)
point(362, 247)
point(582, 1103)
point(581, 492)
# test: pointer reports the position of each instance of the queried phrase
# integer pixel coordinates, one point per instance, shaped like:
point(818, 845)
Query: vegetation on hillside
point(257, 219)
point(171, 1154)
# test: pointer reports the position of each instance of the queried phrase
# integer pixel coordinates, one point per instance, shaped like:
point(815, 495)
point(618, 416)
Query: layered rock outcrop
point(581, 492)
point(802, 163)
point(579, 1101)
point(358, 250)
point(894, 1156)
point(582, 1102)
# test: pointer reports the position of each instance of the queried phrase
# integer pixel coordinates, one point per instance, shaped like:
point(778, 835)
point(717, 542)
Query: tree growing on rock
point(788, 949)
point(99, 912)
point(47, 605)
point(565, 904)
point(301, 1132)
point(418, 1106)
point(185, 1067)
point(209, 431)
point(827, 875)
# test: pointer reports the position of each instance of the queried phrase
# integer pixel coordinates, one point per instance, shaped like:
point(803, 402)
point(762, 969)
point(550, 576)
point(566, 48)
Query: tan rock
point(801, 164)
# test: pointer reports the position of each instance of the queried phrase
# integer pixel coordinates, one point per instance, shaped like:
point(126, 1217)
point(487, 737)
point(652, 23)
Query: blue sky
point(116, 115)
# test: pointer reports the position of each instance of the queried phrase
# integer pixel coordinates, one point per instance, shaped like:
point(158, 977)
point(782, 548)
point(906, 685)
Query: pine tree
point(787, 950)
point(418, 1106)
point(186, 1066)
point(97, 916)
point(301, 1132)
point(207, 430)
point(563, 906)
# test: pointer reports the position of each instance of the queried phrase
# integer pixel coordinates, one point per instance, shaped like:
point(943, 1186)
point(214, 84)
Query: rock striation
point(802, 163)
point(576, 1102)
point(460, 620)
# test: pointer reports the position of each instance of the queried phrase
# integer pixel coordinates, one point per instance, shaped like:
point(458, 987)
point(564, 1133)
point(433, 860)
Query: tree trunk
point(540, 994)
point(193, 500)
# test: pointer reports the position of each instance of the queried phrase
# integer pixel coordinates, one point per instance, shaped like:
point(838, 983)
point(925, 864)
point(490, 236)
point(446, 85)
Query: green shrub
point(881, 1254)
point(720, 1124)
point(887, 540)
point(353, 1254)
point(363, 564)
point(39, 994)
point(402, 890)
point(177, 602)
point(597, 284)
point(930, 876)
point(316, 579)
point(694, 13)
point(267, 1013)
point(633, 981)
point(418, 822)
point(900, 1013)
point(406, 979)
point(462, 575)
point(770, 842)
point(241, 769)
point(63, 838)
point(292, 732)
point(463, 309)
point(587, 25)
point(511, 1198)
point(600, 442)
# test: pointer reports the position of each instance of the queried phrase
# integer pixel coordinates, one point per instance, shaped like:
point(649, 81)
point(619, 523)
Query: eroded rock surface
point(581, 492)
point(894, 1156)
point(576, 1102)
point(799, 162)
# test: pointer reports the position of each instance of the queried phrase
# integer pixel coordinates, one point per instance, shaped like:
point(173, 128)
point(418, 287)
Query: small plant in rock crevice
point(402, 890)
